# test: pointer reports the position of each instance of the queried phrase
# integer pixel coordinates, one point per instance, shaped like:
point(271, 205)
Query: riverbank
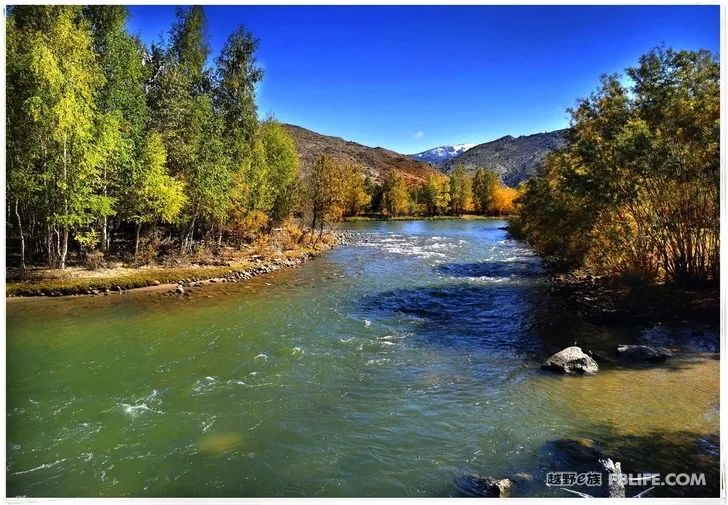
point(605, 300)
point(230, 265)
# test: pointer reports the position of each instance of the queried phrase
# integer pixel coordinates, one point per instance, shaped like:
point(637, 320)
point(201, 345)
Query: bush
point(94, 260)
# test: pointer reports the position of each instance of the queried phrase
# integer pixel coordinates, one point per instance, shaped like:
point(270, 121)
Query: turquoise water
point(390, 367)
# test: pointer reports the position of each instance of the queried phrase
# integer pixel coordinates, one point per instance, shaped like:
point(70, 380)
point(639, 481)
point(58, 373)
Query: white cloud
point(418, 134)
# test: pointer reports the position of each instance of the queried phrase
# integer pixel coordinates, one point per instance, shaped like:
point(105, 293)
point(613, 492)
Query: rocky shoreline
point(262, 267)
point(182, 286)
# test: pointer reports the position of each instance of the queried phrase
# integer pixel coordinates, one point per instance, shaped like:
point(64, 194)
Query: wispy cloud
point(418, 134)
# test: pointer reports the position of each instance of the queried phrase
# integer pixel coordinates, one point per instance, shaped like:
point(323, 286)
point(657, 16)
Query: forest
point(635, 193)
point(117, 149)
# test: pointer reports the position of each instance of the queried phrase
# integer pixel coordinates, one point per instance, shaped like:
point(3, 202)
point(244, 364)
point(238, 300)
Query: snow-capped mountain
point(438, 155)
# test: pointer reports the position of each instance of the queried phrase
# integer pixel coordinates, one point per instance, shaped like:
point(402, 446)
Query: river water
point(391, 367)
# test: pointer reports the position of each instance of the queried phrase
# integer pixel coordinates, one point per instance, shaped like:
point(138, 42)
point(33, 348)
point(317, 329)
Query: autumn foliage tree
point(395, 195)
point(636, 190)
point(324, 190)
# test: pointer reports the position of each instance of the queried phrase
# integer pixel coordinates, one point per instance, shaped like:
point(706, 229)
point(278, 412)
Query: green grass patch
point(138, 279)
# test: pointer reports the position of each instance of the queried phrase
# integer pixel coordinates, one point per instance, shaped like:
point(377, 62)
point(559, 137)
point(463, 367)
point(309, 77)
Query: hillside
point(514, 159)
point(375, 161)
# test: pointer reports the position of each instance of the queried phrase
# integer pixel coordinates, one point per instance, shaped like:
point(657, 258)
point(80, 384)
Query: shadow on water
point(521, 268)
point(481, 317)
point(522, 317)
point(467, 316)
point(662, 453)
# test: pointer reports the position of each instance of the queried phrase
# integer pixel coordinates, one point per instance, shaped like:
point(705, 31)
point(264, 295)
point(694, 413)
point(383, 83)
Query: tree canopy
point(636, 190)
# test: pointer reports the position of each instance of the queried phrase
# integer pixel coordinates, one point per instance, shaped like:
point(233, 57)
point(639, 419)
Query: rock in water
point(643, 353)
point(180, 290)
point(571, 360)
point(475, 485)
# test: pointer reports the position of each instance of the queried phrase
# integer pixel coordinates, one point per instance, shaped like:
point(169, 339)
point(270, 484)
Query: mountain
point(514, 159)
point(374, 161)
point(438, 155)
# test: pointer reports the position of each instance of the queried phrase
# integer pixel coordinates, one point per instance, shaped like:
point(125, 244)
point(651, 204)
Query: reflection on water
point(392, 367)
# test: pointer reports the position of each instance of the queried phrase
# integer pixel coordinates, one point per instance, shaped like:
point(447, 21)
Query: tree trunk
point(109, 235)
point(104, 234)
point(64, 247)
point(105, 223)
point(313, 223)
point(49, 245)
point(136, 238)
point(321, 231)
point(22, 236)
point(187, 243)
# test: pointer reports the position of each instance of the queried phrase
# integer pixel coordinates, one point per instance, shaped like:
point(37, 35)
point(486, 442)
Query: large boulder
point(643, 353)
point(571, 360)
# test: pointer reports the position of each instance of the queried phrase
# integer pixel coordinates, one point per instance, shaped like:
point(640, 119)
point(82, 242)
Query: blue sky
point(411, 78)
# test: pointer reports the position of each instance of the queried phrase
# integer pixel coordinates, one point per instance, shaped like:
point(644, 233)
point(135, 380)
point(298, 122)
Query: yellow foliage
point(504, 201)
point(248, 225)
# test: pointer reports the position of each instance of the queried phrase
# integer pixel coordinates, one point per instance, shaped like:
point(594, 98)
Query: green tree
point(122, 105)
point(190, 48)
point(183, 112)
point(485, 185)
point(282, 163)
point(436, 194)
point(59, 80)
point(156, 196)
point(395, 195)
point(460, 190)
point(237, 75)
point(374, 192)
point(262, 158)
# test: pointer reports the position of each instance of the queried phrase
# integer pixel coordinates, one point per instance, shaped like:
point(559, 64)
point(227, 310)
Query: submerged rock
point(475, 485)
point(571, 360)
point(643, 353)
point(220, 444)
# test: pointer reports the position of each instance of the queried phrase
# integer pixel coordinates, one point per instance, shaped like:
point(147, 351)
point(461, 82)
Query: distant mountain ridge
point(375, 162)
point(439, 155)
point(514, 159)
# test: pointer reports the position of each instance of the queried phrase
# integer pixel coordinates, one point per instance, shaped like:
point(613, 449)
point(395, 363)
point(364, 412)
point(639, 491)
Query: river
point(390, 367)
